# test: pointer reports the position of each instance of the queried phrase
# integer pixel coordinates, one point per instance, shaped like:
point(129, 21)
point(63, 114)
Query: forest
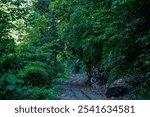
point(43, 42)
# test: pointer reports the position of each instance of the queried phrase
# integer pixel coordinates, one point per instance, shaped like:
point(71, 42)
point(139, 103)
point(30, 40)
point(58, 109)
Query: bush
point(36, 93)
point(9, 85)
point(35, 74)
point(13, 88)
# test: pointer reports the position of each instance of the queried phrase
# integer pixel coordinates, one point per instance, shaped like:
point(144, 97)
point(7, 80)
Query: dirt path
point(76, 89)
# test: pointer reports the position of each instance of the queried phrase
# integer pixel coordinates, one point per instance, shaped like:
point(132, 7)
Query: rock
point(94, 84)
point(98, 77)
point(117, 88)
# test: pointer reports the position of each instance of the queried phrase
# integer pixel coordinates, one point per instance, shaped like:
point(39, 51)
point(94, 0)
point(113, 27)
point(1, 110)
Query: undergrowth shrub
point(9, 85)
point(35, 74)
point(37, 93)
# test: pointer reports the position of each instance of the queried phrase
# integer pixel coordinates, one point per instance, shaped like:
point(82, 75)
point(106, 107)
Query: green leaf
point(2, 77)
point(10, 87)
point(11, 78)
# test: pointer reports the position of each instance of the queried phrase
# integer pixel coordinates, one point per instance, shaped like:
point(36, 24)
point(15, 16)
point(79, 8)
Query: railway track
point(73, 89)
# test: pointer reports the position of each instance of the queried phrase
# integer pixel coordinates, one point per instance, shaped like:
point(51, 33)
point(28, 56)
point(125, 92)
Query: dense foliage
point(108, 35)
point(112, 35)
point(28, 66)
